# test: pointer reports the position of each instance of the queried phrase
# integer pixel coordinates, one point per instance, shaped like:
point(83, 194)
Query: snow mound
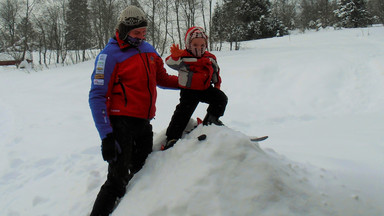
point(227, 174)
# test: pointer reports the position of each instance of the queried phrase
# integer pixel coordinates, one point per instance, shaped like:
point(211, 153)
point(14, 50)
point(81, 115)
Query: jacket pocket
point(119, 89)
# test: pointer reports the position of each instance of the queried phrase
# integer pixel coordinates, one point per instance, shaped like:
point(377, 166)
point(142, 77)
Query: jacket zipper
point(148, 86)
point(147, 69)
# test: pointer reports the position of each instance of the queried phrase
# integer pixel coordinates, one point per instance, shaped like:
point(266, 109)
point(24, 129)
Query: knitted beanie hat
point(130, 18)
point(192, 33)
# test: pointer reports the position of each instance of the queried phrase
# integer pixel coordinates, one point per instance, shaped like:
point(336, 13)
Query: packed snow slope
point(318, 95)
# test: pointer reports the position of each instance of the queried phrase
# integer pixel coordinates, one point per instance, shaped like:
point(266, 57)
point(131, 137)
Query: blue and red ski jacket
point(124, 83)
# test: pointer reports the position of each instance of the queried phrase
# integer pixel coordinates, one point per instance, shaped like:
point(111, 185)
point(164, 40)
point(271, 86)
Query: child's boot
point(169, 144)
point(211, 119)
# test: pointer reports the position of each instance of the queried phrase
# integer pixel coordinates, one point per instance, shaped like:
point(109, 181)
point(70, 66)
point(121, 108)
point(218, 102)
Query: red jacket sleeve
point(163, 79)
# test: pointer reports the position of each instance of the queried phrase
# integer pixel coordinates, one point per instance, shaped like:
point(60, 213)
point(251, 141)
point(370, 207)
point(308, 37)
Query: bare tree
point(210, 25)
point(177, 11)
point(153, 7)
point(42, 40)
point(189, 9)
point(9, 10)
point(56, 30)
point(203, 14)
point(25, 28)
point(166, 26)
point(158, 17)
point(103, 18)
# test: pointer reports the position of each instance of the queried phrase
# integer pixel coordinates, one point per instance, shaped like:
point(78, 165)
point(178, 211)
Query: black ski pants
point(189, 99)
point(135, 138)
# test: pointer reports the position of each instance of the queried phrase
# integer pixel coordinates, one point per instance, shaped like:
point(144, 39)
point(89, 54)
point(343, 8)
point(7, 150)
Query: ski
point(199, 122)
point(203, 137)
point(255, 139)
point(200, 138)
point(258, 139)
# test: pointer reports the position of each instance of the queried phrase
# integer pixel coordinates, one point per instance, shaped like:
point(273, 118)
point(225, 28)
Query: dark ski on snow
point(258, 139)
point(253, 139)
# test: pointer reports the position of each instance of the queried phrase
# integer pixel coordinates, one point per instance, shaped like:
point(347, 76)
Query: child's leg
point(217, 101)
point(182, 114)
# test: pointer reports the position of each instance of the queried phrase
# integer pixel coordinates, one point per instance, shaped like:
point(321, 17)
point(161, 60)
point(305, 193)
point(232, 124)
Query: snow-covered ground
point(318, 95)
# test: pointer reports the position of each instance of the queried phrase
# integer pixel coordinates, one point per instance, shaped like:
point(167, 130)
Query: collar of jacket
point(122, 44)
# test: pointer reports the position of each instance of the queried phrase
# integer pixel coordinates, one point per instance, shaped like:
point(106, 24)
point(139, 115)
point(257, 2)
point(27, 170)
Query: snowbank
point(227, 174)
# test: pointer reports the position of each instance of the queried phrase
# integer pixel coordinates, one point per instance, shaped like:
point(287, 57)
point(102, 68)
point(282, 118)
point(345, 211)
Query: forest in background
point(71, 31)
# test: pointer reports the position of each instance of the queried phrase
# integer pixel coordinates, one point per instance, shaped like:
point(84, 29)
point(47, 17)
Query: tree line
point(66, 30)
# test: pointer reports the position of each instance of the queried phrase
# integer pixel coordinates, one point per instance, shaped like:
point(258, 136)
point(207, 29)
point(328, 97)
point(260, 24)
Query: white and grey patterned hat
point(130, 18)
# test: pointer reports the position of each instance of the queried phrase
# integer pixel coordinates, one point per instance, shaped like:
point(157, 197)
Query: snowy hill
point(319, 96)
point(229, 175)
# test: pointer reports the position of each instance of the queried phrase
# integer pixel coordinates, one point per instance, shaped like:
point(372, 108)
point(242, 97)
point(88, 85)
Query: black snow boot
point(211, 119)
point(169, 144)
point(104, 205)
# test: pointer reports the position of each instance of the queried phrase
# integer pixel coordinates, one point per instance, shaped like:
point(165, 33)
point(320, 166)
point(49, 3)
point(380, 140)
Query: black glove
point(110, 148)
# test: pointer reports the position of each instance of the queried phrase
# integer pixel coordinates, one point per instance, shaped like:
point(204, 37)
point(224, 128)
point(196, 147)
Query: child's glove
point(176, 52)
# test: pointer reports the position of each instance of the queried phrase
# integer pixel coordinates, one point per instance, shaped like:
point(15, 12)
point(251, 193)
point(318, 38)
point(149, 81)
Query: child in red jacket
point(199, 80)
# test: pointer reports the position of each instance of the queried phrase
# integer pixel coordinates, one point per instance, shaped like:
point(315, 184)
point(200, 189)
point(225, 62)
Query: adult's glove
point(110, 148)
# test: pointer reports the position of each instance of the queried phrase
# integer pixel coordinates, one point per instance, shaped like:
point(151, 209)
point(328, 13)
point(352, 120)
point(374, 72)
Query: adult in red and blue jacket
point(124, 83)
point(122, 100)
